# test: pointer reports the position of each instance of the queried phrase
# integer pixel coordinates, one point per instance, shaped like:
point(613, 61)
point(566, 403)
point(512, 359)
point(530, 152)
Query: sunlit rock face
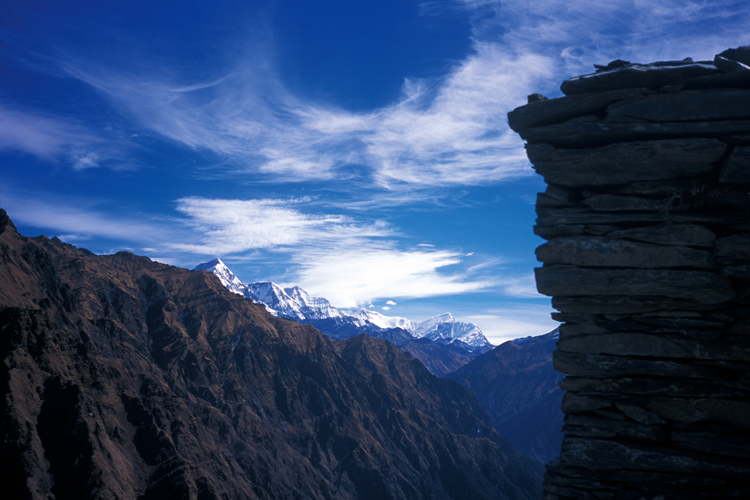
point(647, 220)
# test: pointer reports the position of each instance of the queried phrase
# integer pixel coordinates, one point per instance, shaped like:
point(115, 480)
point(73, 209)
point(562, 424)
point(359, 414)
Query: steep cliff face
point(647, 217)
point(125, 378)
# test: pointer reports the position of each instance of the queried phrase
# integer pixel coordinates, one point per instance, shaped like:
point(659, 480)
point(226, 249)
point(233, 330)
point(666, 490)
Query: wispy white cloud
point(352, 275)
point(46, 136)
point(232, 226)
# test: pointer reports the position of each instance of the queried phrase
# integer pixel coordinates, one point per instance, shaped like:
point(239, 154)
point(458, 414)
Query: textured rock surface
point(126, 378)
point(647, 217)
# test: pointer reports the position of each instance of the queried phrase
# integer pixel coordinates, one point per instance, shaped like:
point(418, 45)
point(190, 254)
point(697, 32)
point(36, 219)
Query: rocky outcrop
point(647, 220)
point(125, 378)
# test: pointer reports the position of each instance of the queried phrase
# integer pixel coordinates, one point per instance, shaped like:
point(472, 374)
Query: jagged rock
point(703, 287)
point(651, 76)
point(625, 162)
point(592, 251)
point(686, 106)
point(740, 54)
point(728, 65)
point(581, 135)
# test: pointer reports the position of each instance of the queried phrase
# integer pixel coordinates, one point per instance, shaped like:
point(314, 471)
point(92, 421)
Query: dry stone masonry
point(647, 220)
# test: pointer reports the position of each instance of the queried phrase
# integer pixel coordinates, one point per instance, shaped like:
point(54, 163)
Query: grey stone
point(579, 135)
point(572, 403)
point(593, 251)
point(733, 80)
point(607, 365)
point(615, 202)
point(551, 111)
point(615, 304)
point(655, 346)
point(626, 162)
point(733, 247)
point(652, 76)
point(550, 232)
point(590, 427)
point(562, 194)
point(735, 270)
point(737, 168)
point(668, 188)
point(610, 455)
point(724, 411)
point(638, 413)
point(712, 442)
point(576, 216)
point(687, 106)
point(624, 386)
point(669, 234)
point(703, 287)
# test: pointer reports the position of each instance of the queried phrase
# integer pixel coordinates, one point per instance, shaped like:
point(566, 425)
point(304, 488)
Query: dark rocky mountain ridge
point(518, 386)
point(126, 378)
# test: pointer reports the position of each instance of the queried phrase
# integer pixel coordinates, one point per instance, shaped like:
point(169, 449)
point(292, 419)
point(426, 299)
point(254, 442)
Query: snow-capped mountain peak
point(386, 322)
point(227, 277)
point(295, 303)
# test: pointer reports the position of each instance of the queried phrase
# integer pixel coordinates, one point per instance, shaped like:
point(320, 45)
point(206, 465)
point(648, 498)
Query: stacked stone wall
point(647, 220)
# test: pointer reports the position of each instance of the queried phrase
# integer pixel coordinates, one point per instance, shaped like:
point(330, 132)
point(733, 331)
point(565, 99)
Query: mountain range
point(442, 343)
point(126, 378)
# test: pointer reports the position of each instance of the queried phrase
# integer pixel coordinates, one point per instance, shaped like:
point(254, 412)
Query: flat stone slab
point(594, 251)
point(623, 304)
point(571, 281)
point(655, 346)
point(551, 111)
point(577, 135)
point(687, 106)
point(625, 163)
point(670, 234)
point(651, 76)
point(737, 169)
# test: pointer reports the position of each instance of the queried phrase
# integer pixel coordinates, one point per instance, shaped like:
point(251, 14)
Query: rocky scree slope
point(126, 378)
point(647, 217)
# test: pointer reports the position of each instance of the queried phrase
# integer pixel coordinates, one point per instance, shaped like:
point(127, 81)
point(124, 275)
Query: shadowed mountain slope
point(126, 378)
point(518, 386)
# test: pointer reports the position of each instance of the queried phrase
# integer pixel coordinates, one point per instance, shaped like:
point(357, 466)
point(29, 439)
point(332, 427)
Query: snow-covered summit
point(227, 277)
point(295, 303)
point(445, 328)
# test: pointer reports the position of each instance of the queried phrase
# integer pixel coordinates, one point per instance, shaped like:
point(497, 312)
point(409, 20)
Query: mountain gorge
point(126, 378)
point(518, 386)
point(442, 343)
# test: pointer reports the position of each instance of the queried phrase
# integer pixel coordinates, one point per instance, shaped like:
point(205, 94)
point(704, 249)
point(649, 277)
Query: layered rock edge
point(647, 220)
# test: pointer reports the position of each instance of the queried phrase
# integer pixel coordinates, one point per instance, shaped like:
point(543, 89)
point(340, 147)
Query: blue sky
point(359, 150)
